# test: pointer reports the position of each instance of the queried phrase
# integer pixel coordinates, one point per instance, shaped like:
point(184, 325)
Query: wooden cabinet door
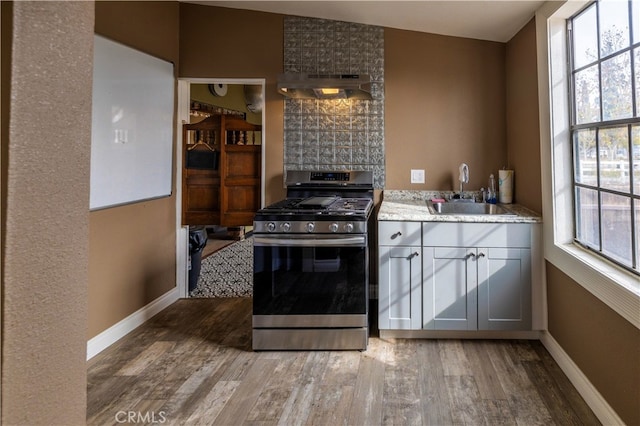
point(399, 305)
point(449, 288)
point(240, 184)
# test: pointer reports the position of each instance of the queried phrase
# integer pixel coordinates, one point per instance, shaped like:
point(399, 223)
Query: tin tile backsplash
point(335, 134)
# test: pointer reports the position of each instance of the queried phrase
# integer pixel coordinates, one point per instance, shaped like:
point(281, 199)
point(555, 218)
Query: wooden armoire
point(221, 171)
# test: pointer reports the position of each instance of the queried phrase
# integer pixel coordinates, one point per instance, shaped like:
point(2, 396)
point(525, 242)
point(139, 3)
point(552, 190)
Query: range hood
point(325, 86)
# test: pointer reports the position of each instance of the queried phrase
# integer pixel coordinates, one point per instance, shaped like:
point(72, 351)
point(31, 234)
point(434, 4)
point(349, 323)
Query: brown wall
point(45, 221)
point(444, 105)
point(604, 345)
point(523, 132)
point(231, 43)
point(133, 248)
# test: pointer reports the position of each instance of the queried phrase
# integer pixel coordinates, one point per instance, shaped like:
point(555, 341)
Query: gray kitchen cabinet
point(450, 286)
point(504, 288)
point(400, 276)
point(476, 276)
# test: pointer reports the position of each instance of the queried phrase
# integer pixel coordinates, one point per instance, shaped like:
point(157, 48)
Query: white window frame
point(617, 287)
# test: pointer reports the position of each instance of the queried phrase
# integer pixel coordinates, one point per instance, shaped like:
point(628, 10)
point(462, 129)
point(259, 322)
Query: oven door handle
point(279, 241)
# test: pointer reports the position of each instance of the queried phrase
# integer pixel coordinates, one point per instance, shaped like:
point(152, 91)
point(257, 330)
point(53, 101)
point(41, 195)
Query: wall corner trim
point(593, 398)
point(117, 331)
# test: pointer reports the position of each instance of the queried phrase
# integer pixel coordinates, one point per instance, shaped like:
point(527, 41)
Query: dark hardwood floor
point(193, 364)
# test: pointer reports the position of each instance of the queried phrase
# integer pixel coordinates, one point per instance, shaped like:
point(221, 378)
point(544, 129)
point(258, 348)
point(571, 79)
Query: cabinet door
point(399, 305)
point(449, 289)
point(504, 289)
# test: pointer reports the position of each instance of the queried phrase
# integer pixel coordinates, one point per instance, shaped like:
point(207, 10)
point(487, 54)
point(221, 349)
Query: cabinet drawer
point(399, 233)
point(476, 234)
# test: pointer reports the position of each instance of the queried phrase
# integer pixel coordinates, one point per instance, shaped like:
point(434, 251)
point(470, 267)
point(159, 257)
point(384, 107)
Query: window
point(604, 41)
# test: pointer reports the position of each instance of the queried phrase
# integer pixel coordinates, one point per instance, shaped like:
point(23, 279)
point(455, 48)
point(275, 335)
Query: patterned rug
point(227, 272)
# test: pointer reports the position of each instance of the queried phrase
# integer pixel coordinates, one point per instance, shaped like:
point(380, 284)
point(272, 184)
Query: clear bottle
point(491, 191)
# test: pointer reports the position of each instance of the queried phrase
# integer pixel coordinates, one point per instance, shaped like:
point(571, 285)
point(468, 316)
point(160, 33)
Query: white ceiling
point(479, 19)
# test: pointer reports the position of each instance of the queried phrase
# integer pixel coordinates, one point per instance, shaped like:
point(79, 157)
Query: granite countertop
point(398, 205)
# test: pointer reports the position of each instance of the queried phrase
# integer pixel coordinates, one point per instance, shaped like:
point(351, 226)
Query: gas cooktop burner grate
point(320, 205)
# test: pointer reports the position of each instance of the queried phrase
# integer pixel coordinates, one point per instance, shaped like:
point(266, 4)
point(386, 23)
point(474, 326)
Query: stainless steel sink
point(467, 209)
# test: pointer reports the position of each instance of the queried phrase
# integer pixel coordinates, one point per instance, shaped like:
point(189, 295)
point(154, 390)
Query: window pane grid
point(605, 54)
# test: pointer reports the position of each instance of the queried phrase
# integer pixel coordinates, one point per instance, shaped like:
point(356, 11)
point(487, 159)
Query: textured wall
point(335, 134)
point(45, 227)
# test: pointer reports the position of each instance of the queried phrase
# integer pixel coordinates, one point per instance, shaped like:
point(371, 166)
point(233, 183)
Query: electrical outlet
point(417, 176)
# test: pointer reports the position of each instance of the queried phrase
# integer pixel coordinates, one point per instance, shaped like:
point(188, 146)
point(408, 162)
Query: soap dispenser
point(491, 191)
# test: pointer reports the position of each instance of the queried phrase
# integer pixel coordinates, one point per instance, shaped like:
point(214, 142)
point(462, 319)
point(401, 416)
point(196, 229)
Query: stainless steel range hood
point(325, 86)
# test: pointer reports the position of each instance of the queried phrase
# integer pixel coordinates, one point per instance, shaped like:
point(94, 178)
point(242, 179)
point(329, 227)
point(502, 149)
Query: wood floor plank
point(464, 396)
point(524, 400)
point(331, 405)
point(565, 388)
point(549, 393)
point(193, 362)
point(271, 402)
point(401, 392)
point(454, 360)
point(367, 405)
point(485, 375)
point(246, 393)
point(147, 357)
point(177, 367)
point(435, 406)
point(242, 363)
point(497, 412)
point(213, 404)
point(332, 402)
point(314, 367)
point(269, 405)
point(192, 392)
point(341, 369)
point(297, 407)
point(101, 398)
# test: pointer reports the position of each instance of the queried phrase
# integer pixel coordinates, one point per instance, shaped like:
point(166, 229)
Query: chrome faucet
point(464, 176)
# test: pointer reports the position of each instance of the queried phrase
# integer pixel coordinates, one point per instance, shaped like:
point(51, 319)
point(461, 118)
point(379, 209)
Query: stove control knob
point(286, 227)
point(271, 226)
point(311, 226)
point(348, 227)
point(333, 227)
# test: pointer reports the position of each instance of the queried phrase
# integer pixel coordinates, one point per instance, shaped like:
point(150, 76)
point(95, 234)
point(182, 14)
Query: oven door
point(310, 281)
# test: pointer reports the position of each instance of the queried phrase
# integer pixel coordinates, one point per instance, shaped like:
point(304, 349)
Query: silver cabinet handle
point(396, 235)
point(480, 254)
point(412, 255)
point(471, 255)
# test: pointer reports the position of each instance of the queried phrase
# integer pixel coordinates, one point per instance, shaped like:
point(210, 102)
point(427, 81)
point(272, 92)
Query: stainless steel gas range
point(311, 264)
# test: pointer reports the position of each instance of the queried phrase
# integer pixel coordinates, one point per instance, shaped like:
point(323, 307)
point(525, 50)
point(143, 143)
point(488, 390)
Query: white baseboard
point(594, 400)
point(124, 327)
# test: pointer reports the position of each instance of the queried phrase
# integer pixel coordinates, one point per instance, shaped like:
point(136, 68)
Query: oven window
point(310, 280)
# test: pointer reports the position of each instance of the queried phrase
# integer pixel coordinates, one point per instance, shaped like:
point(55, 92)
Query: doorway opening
point(220, 167)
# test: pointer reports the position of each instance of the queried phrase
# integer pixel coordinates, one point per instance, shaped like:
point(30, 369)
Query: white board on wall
point(132, 126)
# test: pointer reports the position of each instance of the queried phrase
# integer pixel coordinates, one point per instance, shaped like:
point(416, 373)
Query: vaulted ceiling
point(484, 20)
